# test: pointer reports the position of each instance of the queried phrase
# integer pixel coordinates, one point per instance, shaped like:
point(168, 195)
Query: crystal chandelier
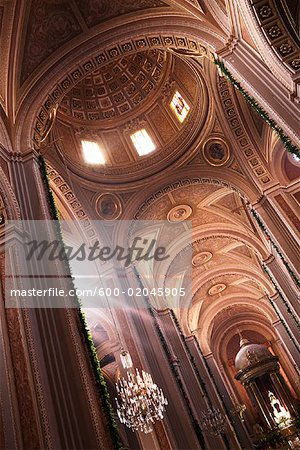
point(140, 401)
point(213, 421)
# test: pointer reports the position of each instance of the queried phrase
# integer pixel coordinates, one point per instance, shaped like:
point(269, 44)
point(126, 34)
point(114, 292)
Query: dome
point(115, 90)
point(250, 354)
point(144, 111)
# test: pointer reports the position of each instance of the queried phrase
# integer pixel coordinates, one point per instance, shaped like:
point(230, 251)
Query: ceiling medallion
point(216, 152)
point(201, 258)
point(179, 213)
point(217, 289)
point(109, 206)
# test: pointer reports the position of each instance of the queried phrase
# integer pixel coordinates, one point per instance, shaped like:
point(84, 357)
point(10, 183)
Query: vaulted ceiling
point(112, 67)
point(36, 34)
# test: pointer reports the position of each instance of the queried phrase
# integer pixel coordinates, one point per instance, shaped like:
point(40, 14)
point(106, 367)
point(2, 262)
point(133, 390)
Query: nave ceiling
point(107, 93)
point(111, 69)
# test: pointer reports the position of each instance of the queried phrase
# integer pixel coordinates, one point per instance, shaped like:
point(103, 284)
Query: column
point(279, 232)
point(288, 288)
point(286, 340)
point(291, 336)
point(262, 406)
point(67, 409)
point(157, 357)
point(283, 391)
point(190, 379)
point(237, 438)
point(239, 427)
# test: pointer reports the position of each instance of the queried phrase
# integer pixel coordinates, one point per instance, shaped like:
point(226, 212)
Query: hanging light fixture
point(140, 402)
point(213, 421)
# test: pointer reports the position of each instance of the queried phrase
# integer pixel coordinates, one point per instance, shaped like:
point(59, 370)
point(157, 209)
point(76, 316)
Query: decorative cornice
point(75, 206)
point(276, 34)
point(229, 47)
point(230, 108)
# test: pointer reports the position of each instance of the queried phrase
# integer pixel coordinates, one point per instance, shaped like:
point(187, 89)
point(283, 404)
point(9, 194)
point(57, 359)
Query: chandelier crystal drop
point(213, 421)
point(140, 402)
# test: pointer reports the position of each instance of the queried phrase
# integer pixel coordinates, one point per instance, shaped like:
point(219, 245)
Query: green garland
point(272, 303)
point(216, 387)
point(274, 245)
point(263, 114)
point(289, 310)
point(85, 332)
point(191, 357)
point(201, 382)
point(174, 368)
point(177, 377)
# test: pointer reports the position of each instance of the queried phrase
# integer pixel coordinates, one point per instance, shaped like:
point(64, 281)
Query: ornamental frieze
point(276, 33)
point(231, 114)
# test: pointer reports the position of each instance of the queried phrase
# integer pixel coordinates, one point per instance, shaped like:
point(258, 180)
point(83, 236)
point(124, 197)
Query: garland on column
point(216, 387)
point(174, 368)
point(289, 310)
point(263, 114)
point(94, 361)
point(263, 227)
point(191, 357)
point(272, 303)
point(177, 376)
point(201, 382)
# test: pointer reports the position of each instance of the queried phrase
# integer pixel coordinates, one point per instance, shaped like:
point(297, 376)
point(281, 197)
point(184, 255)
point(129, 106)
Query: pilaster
point(66, 406)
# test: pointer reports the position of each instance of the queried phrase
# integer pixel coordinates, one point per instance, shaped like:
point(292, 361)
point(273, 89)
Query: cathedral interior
point(166, 121)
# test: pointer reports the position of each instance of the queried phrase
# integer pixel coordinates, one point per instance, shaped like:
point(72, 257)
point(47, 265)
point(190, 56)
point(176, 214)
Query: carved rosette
point(179, 213)
point(201, 258)
point(217, 289)
point(108, 206)
point(216, 152)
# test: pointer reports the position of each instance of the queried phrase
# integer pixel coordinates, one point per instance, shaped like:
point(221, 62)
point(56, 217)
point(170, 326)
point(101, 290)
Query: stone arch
point(192, 36)
point(5, 141)
point(9, 199)
point(254, 323)
point(280, 161)
point(254, 275)
point(273, 59)
point(216, 231)
point(188, 176)
point(205, 335)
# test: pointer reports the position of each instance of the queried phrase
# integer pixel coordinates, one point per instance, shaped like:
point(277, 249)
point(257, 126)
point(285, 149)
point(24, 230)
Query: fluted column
point(157, 357)
point(67, 410)
point(198, 399)
point(279, 232)
point(241, 431)
point(288, 319)
point(284, 391)
point(288, 288)
point(238, 432)
point(285, 338)
point(261, 404)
